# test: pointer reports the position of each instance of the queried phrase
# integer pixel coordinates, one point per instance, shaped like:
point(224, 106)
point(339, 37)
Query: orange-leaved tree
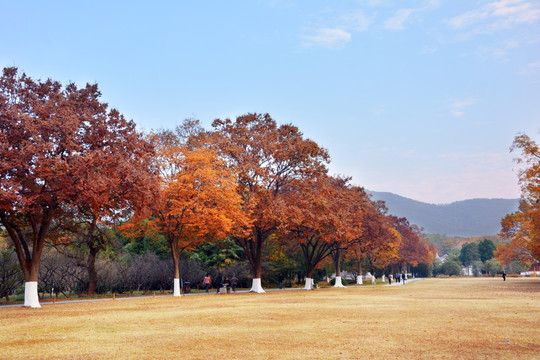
point(199, 198)
point(348, 210)
point(266, 158)
point(414, 248)
point(314, 211)
point(379, 242)
point(522, 228)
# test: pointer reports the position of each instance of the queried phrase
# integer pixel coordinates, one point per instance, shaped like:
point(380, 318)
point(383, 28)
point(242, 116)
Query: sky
point(420, 98)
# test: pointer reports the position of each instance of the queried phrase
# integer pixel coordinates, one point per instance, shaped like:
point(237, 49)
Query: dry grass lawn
point(463, 318)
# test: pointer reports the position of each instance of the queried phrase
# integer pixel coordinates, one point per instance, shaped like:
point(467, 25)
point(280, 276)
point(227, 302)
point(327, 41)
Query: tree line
point(73, 171)
point(476, 258)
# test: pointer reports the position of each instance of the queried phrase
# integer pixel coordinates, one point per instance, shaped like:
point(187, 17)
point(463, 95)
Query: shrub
point(450, 268)
point(493, 267)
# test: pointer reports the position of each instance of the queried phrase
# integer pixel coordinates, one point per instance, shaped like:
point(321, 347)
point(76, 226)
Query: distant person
point(227, 284)
point(390, 279)
point(207, 282)
point(218, 283)
point(504, 276)
point(280, 280)
point(234, 283)
point(398, 278)
point(403, 278)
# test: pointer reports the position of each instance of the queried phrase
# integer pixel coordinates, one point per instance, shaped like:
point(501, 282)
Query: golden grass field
point(463, 318)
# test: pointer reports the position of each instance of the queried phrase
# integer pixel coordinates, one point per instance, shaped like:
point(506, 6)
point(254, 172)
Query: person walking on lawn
point(207, 282)
point(218, 282)
point(234, 283)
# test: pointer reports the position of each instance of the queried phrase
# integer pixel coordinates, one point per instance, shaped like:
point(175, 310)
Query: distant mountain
point(475, 217)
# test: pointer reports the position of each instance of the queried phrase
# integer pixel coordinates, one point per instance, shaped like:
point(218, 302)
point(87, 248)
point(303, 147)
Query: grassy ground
point(45, 298)
point(477, 318)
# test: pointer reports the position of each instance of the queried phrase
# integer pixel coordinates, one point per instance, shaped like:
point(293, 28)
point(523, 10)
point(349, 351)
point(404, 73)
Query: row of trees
point(478, 256)
point(477, 251)
point(60, 273)
point(71, 170)
point(126, 265)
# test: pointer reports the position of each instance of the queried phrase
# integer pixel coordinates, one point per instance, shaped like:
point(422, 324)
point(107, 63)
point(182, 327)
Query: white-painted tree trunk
point(338, 282)
point(309, 284)
point(257, 286)
point(383, 279)
point(31, 298)
point(359, 279)
point(176, 289)
point(373, 279)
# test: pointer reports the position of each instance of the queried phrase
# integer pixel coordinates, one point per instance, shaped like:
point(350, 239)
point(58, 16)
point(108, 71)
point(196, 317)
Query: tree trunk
point(95, 244)
point(91, 269)
point(309, 283)
point(176, 263)
point(309, 279)
point(257, 271)
point(359, 277)
point(314, 252)
point(253, 249)
point(256, 286)
point(336, 258)
point(31, 296)
point(29, 256)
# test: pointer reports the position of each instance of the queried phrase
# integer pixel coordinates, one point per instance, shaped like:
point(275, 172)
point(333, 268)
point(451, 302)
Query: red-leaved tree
point(266, 158)
point(62, 152)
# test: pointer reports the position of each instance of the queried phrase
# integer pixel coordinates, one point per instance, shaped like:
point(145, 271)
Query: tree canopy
point(522, 228)
point(199, 199)
point(63, 153)
point(266, 158)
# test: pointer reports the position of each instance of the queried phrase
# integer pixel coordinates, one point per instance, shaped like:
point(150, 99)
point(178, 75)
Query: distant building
point(442, 259)
point(534, 271)
point(346, 275)
point(467, 270)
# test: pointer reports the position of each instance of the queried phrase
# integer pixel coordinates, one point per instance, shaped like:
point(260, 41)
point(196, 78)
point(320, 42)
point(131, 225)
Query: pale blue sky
point(420, 98)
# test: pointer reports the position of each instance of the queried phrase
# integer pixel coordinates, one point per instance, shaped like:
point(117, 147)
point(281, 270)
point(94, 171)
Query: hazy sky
point(419, 98)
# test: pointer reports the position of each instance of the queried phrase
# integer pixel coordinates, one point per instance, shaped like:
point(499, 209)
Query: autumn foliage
point(266, 158)
point(380, 241)
point(198, 201)
point(522, 228)
point(70, 166)
point(64, 154)
point(414, 247)
point(322, 216)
